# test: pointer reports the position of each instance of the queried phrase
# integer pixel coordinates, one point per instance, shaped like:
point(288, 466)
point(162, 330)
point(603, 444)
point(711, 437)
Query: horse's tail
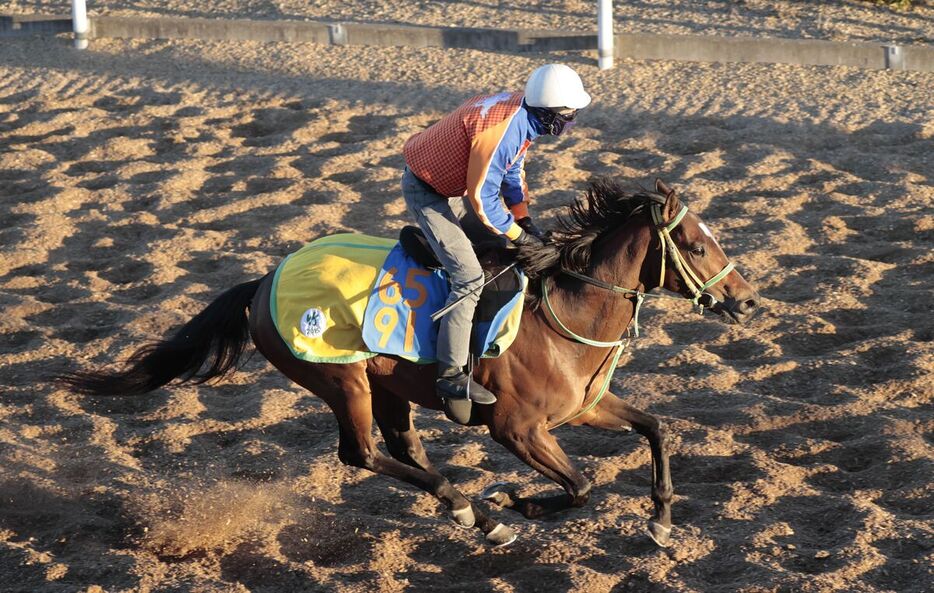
point(208, 346)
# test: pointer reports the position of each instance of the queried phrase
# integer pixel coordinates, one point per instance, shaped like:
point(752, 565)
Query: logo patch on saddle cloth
point(398, 321)
point(313, 323)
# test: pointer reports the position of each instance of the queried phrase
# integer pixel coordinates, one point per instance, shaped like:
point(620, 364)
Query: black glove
point(526, 239)
point(534, 255)
point(528, 226)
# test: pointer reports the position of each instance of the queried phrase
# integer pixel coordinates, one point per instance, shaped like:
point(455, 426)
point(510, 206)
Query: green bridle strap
point(565, 329)
point(718, 276)
point(640, 297)
point(694, 284)
point(674, 221)
point(603, 388)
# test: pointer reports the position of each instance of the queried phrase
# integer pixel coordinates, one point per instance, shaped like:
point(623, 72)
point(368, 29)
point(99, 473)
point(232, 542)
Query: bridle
point(695, 285)
point(696, 288)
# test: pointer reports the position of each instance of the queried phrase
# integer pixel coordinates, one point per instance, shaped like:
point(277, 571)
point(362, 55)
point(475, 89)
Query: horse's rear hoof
point(660, 534)
point(463, 518)
point(501, 536)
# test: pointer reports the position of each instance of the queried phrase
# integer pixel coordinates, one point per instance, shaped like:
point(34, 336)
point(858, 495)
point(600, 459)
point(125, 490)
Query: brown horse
point(613, 248)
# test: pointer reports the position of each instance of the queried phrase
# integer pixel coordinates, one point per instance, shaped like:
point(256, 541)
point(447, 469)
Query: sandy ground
point(858, 20)
point(140, 179)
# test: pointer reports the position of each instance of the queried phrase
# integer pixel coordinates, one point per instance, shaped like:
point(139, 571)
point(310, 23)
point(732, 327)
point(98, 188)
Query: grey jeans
point(435, 214)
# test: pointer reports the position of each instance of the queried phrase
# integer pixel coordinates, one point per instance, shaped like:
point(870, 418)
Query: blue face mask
point(553, 122)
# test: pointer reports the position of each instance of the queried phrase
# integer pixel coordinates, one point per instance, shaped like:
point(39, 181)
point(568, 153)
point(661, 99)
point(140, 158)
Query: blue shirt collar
point(536, 127)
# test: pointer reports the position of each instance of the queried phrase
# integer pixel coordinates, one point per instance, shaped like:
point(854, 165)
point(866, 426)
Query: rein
point(696, 287)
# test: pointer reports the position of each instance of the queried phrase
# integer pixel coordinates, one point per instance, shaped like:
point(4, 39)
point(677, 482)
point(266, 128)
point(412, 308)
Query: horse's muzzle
point(737, 310)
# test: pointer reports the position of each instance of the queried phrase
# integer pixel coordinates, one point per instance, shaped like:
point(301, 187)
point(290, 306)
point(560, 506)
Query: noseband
point(695, 286)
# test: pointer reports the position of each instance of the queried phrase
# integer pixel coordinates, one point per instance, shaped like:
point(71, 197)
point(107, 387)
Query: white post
point(79, 18)
point(605, 34)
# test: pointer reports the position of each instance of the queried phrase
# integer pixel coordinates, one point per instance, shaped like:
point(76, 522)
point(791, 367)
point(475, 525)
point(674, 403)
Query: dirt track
point(139, 180)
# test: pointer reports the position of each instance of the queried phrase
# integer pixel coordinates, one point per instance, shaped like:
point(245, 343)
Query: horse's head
point(694, 264)
point(598, 238)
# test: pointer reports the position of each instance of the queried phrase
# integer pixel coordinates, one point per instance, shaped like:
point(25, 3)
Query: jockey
point(478, 151)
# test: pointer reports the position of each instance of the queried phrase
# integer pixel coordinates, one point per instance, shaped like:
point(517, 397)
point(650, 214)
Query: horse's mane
point(606, 205)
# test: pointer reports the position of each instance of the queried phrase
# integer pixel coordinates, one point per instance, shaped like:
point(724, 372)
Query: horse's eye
point(698, 250)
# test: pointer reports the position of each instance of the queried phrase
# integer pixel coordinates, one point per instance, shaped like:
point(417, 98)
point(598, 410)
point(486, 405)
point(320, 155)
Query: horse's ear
point(672, 203)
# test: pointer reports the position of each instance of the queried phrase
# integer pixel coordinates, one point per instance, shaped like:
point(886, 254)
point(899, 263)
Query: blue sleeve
point(493, 208)
point(513, 187)
point(490, 154)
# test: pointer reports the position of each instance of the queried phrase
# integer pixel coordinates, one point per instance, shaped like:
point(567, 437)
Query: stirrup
point(457, 410)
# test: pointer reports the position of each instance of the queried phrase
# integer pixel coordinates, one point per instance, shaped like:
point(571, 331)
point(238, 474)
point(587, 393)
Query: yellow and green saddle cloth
point(349, 297)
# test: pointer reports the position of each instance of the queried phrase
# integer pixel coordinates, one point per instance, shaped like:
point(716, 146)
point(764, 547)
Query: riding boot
point(458, 391)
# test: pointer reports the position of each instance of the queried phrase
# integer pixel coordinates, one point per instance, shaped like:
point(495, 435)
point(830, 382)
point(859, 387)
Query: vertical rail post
point(604, 34)
point(79, 18)
point(894, 57)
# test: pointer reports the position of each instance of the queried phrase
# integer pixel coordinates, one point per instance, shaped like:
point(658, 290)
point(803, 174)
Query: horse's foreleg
point(613, 414)
point(394, 418)
point(540, 450)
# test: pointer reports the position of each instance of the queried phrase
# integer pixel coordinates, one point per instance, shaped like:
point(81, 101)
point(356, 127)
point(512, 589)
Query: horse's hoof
point(463, 517)
point(660, 534)
point(501, 536)
point(496, 493)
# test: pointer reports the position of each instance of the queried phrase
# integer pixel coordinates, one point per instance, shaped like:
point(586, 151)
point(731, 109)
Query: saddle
point(414, 243)
point(495, 295)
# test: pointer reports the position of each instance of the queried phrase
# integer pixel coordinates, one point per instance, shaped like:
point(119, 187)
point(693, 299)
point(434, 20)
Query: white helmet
point(556, 86)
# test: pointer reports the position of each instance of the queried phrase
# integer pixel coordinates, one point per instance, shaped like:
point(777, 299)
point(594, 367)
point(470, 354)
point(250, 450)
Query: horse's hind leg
point(613, 414)
point(346, 389)
point(353, 408)
point(540, 450)
point(394, 418)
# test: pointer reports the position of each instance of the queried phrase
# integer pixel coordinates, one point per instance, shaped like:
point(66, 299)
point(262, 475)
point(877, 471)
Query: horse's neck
point(605, 314)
